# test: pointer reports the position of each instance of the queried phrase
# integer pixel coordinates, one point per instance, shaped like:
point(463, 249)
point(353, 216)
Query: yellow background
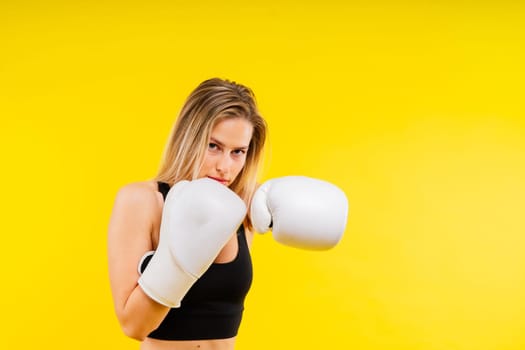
point(415, 110)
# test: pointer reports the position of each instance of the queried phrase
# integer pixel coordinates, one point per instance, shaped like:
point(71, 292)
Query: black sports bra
point(213, 307)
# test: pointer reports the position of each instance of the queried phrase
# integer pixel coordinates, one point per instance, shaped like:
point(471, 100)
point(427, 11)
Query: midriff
point(213, 344)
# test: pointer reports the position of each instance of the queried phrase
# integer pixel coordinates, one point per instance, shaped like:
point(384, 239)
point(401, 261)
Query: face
point(227, 149)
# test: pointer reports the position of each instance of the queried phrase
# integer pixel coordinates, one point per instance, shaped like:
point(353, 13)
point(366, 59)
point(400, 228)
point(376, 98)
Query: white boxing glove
point(301, 212)
point(198, 219)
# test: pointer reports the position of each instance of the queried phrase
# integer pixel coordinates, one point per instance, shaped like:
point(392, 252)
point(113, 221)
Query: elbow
point(133, 327)
point(137, 321)
point(134, 331)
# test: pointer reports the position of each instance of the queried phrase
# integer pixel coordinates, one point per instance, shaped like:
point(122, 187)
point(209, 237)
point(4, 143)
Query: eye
point(213, 146)
point(239, 152)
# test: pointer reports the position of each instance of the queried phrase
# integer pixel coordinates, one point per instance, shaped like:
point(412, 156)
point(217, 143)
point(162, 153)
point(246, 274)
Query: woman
point(219, 135)
point(178, 245)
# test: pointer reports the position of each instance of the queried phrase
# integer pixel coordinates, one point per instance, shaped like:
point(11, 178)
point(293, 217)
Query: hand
point(301, 212)
point(198, 219)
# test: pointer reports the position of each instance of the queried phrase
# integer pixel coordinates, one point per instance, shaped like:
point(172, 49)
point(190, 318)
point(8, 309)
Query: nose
point(223, 164)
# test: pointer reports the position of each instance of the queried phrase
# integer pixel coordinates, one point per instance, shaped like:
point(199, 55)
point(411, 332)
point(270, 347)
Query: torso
point(227, 254)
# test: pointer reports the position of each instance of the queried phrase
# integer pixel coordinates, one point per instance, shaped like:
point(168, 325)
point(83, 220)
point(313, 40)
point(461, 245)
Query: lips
point(222, 181)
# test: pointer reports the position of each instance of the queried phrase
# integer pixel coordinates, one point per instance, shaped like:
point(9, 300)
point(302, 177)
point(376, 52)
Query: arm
point(198, 218)
point(135, 211)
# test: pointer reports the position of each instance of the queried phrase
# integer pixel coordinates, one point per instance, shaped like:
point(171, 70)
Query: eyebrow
point(214, 140)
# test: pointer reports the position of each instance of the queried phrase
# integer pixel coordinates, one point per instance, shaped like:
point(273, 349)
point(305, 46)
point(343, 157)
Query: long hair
point(212, 101)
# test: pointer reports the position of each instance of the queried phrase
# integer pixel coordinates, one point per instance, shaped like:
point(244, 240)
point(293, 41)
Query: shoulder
point(137, 209)
point(138, 191)
point(138, 196)
point(249, 236)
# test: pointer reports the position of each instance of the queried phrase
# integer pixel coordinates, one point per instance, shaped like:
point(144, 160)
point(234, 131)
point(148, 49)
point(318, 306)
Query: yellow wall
point(415, 110)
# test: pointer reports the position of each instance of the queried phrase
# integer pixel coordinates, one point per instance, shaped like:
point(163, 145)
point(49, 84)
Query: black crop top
point(213, 307)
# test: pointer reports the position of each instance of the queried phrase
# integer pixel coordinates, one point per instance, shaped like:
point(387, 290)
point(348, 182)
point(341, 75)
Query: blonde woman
point(178, 245)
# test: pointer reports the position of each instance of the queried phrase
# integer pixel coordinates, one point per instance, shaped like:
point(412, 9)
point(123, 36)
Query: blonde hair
point(212, 101)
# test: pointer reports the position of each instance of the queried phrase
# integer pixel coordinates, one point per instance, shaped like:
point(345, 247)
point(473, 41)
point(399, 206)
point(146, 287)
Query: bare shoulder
point(138, 200)
point(249, 236)
point(142, 196)
point(138, 195)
